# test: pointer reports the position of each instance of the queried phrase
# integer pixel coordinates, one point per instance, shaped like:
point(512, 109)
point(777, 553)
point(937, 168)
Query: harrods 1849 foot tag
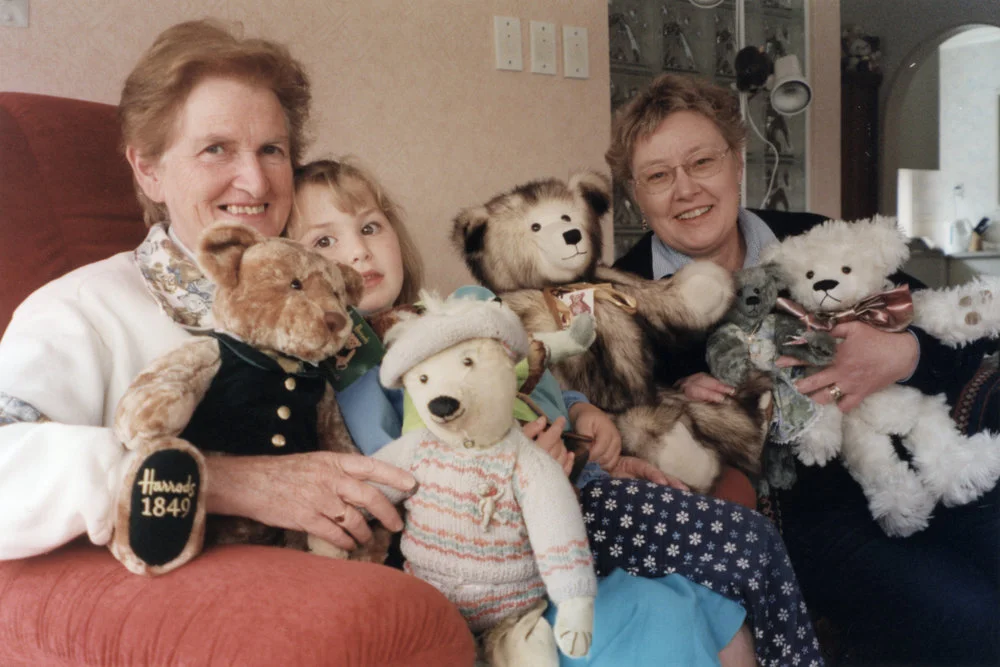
point(166, 519)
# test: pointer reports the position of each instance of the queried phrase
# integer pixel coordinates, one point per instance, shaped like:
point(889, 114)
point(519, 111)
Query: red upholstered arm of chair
point(66, 199)
point(233, 605)
point(66, 196)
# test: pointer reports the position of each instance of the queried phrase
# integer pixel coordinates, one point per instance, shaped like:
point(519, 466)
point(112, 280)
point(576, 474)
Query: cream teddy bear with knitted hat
point(494, 523)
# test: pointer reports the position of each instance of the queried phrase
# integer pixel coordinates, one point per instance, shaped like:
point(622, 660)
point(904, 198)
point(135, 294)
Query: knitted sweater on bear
point(494, 529)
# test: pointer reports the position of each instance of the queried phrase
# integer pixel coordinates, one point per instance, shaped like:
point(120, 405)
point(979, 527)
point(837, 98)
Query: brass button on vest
point(278, 440)
point(290, 384)
point(284, 412)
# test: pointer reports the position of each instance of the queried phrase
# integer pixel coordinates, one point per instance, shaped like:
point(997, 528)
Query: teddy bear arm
point(819, 348)
point(332, 431)
point(161, 400)
point(555, 525)
point(728, 354)
point(694, 298)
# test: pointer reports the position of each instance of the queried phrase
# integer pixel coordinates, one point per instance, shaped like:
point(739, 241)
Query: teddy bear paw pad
point(164, 492)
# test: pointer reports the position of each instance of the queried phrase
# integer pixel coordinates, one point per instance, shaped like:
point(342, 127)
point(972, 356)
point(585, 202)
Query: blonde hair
point(353, 188)
point(180, 58)
point(668, 94)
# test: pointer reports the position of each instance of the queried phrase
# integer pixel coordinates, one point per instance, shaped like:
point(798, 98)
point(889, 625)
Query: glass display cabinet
point(648, 37)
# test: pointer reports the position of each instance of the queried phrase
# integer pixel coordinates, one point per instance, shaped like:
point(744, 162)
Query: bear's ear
point(771, 254)
point(354, 284)
point(595, 189)
point(774, 274)
point(469, 231)
point(221, 250)
point(888, 241)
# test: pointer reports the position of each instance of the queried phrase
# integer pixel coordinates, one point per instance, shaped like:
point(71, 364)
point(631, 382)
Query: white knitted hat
point(445, 323)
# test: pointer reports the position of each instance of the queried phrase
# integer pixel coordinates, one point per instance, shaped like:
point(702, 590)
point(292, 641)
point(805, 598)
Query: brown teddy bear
point(538, 247)
point(250, 387)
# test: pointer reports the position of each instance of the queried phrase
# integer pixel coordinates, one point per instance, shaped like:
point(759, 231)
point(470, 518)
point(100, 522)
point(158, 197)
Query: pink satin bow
point(889, 311)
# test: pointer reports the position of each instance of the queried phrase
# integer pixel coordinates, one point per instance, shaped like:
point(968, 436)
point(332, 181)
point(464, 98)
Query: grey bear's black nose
point(572, 237)
point(443, 406)
point(825, 285)
point(752, 300)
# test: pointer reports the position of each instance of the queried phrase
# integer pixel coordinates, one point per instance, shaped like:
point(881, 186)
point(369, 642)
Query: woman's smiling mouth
point(693, 213)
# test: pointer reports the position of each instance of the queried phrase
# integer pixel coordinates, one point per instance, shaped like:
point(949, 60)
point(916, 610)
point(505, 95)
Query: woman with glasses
point(931, 598)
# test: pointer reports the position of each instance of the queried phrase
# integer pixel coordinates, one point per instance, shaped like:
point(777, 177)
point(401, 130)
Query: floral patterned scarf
point(175, 280)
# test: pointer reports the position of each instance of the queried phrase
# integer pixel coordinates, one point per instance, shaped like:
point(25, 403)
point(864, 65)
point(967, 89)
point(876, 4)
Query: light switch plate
point(576, 59)
point(14, 13)
point(507, 38)
point(543, 47)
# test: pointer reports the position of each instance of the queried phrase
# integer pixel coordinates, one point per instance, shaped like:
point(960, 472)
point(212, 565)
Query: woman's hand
point(867, 361)
point(550, 439)
point(591, 421)
point(703, 387)
point(318, 493)
point(632, 467)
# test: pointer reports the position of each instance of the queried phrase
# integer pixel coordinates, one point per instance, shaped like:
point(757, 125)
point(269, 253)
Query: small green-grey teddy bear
point(753, 337)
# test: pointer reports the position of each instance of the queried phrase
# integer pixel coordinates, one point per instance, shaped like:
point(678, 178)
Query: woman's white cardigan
point(70, 351)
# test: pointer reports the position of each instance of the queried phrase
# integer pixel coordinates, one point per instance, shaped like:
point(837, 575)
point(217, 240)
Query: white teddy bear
point(835, 267)
point(494, 523)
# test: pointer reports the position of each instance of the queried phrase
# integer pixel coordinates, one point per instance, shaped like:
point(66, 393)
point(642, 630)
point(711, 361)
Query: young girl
point(343, 212)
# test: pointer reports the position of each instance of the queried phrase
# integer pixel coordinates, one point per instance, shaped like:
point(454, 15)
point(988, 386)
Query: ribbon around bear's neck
point(891, 311)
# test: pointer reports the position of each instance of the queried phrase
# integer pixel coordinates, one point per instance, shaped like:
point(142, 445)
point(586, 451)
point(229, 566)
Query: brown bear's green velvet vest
point(254, 407)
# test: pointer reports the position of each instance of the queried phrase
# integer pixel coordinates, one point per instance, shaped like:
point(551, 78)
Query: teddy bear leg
point(160, 511)
point(957, 469)
point(897, 498)
point(525, 641)
point(822, 441)
point(658, 434)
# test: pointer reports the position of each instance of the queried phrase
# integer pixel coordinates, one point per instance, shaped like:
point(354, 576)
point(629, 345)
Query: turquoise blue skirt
point(665, 621)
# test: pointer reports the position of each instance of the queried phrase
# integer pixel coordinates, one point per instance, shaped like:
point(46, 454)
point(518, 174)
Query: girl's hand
point(590, 420)
point(703, 387)
point(632, 467)
point(867, 361)
point(318, 492)
point(550, 440)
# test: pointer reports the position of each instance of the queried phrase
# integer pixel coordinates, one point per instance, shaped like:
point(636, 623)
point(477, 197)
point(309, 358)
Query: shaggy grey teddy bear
point(752, 337)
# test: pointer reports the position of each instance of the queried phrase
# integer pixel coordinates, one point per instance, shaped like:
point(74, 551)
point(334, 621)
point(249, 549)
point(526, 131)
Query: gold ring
point(836, 392)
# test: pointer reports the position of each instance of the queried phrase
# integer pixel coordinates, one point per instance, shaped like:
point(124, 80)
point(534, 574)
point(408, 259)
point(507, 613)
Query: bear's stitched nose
point(443, 406)
point(825, 285)
point(752, 300)
point(334, 321)
point(572, 237)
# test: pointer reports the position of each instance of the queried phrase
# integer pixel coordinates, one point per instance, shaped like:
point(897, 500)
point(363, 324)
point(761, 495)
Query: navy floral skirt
point(650, 530)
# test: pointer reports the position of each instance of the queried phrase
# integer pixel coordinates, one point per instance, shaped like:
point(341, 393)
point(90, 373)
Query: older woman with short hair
point(932, 597)
point(212, 126)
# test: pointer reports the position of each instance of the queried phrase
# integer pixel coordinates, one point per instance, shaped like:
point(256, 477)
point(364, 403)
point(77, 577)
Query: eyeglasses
point(660, 178)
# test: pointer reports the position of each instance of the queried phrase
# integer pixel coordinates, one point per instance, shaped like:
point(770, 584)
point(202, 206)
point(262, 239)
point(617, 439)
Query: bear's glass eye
point(423, 379)
point(467, 361)
point(296, 283)
point(739, 292)
point(845, 269)
point(566, 218)
point(756, 290)
point(810, 274)
point(535, 227)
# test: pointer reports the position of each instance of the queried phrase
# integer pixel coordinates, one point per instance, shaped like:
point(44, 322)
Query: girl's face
point(363, 240)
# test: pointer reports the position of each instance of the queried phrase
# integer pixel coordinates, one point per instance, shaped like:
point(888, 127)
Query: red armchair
point(66, 199)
